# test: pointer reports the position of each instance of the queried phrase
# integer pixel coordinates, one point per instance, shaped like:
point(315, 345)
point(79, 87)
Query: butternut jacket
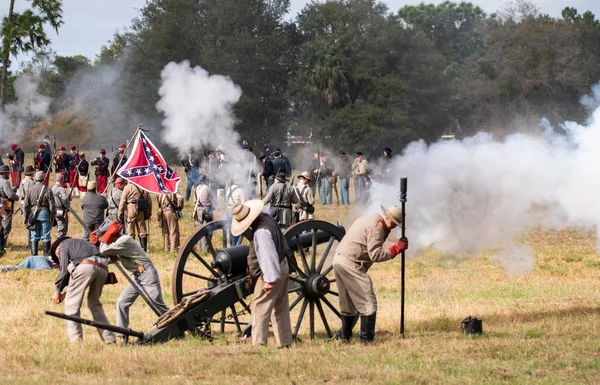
point(127, 207)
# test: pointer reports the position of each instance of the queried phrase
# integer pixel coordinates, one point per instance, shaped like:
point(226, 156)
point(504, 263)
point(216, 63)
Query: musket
point(334, 185)
point(403, 189)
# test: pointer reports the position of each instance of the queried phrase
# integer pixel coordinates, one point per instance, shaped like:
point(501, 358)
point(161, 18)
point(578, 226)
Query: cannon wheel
point(193, 271)
point(311, 282)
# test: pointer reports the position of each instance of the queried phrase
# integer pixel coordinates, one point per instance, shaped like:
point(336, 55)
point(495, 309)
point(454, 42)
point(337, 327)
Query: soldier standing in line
point(305, 208)
point(204, 207)
point(61, 199)
point(359, 249)
point(93, 206)
point(281, 196)
point(169, 212)
point(192, 171)
point(73, 162)
point(314, 167)
point(83, 169)
point(342, 171)
point(275, 166)
point(102, 164)
point(17, 162)
point(234, 195)
point(268, 267)
point(43, 161)
point(23, 191)
point(325, 175)
point(40, 200)
point(7, 194)
point(135, 208)
point(119, 159)
point(114, 199)
point(61, 161)
point(360, 175)
point(81, 268)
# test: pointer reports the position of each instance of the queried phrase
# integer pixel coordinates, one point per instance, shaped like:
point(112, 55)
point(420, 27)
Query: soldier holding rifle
point(8, 197)
point(43, 161)
point(17, 160)
point(359, 249)
point(119, 159)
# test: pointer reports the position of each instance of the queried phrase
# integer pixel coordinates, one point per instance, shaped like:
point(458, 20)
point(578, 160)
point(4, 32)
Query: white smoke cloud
point(198, 114)
point(481, 193)
point(29, 107)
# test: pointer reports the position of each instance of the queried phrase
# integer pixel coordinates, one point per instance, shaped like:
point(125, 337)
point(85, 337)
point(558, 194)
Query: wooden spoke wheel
point(193, 271)
point(312, 283)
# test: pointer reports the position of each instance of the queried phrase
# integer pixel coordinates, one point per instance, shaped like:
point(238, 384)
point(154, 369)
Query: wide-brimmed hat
point(55, 246)
point(29, 171)
point(243, 214)
point(281, 177)
point(305, 175)
point(4, 169)
point(91, 185)
point(394, 213)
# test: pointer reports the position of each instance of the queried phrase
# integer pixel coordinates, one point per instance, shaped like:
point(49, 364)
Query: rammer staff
point(403, 188)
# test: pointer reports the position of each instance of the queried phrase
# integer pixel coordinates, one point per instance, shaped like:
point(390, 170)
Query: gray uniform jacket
point(281, 196)
point(6, 192)
point(33, 195)
point(93, 206)
point(128, 251)
point(60, 196)
point(114, 198)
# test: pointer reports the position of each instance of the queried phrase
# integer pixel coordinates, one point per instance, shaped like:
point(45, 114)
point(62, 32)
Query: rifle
point(334, 185)
point(403, 189)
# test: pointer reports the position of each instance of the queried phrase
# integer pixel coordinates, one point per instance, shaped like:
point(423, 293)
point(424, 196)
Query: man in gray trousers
point(61, 199)
point(136, 261)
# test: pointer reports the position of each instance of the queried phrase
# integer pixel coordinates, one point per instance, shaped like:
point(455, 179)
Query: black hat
point(358, 153)
point(341, 152)
point(276, 153)
point(262, 156)
point(4, 169)
point(55, 246)
point(281, 176)
point(388, 150)
point(29, 171)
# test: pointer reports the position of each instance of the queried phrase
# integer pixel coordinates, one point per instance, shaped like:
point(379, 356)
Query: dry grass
point(541, 328)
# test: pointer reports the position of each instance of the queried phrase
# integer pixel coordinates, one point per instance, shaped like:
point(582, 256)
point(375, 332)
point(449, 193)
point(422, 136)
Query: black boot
point(2, 244)
point(46, 245)
point(34, 247)
point(345, 332)
point(367, 328)
point(144, 243)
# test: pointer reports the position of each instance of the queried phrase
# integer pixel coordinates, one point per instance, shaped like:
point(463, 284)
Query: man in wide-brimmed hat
point(359, 249)
point(268, 269)
point(88, 271)
point(281, 196)
point(8, 197)
point(305, 207)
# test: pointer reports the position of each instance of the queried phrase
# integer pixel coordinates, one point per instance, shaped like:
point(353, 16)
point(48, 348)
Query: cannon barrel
point(99, 325)
point(307, 238)
point(232, 261)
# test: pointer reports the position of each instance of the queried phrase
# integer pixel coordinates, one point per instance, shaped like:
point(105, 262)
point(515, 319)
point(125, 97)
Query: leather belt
point(87, 262)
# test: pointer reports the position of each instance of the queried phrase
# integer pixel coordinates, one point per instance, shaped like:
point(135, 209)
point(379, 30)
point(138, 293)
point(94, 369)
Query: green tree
point(24, 32)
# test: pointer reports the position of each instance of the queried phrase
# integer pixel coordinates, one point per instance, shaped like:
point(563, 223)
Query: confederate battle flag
point(147, 168)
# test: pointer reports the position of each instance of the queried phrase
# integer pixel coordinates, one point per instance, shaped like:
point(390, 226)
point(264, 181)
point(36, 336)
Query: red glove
point(94, 238)
point(398, 247)
point(113, 232)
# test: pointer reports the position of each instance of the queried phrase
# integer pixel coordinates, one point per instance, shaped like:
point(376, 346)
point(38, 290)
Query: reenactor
point(204, 207)
point(43, 161)
point(288, 166)
point(170, 208)
point(281, 196)
point(23, 191)
point(359, 249)
point(360, 175)
point(8, 197)
point(137, 262)
point(61, 200)
point(135, 208)
point(268, 268)
point(305, 208)
point(83, 169)
point(47, 147)
point(386, 169)
point(17, 162)
point(234, 195)
point(315, 162)
point(114, 198)
point(324, 179)
point(275, 166)
point(61, 162)
point(73, 163)
point(119, 159)
point(40, 208)
point(102, 164)
point(82, 268)
point(192, 171)
point(93, 206)
point(342, 172)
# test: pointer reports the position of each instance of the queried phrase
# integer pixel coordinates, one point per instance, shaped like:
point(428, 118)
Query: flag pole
point(112, 175)
point(403, 188)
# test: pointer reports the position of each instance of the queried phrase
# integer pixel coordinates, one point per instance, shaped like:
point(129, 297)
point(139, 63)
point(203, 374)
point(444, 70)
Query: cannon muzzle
point(232, 261)
point(306, 239)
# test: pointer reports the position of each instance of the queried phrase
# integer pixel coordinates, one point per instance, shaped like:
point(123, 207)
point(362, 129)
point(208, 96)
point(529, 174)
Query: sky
point(89, 24)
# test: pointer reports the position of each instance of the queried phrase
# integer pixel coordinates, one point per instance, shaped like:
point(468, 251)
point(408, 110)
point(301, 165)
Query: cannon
point(211, 286)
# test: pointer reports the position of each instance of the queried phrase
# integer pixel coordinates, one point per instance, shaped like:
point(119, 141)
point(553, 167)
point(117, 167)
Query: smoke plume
point(482, 193)
point(198, 114)
point(29, 108)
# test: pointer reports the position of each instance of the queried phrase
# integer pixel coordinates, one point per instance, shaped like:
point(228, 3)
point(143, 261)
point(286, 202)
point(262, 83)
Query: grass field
point(541, 328)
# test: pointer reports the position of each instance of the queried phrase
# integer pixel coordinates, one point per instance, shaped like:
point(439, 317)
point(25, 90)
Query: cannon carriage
point(211, 286)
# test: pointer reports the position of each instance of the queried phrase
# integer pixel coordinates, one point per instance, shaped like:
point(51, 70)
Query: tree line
point(354, 74)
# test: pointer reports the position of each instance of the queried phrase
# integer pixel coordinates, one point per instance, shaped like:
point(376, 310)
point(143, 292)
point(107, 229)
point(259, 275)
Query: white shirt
point(266, 254)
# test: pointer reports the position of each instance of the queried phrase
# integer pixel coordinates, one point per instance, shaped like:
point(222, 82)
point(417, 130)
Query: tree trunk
point(5, 59)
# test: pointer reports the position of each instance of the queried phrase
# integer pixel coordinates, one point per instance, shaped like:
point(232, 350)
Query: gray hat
point(4, 169)
point(39, 176)
point(103, 227)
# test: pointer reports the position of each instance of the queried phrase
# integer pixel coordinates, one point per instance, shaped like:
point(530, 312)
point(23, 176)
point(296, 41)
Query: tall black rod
point(403, 188)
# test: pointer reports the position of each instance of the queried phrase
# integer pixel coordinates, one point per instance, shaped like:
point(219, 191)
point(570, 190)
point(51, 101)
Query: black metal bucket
point(472, 325)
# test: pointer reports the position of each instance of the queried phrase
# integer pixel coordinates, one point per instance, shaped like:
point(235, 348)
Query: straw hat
point(244, 214)
point(305, 175)
point(394, 213)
